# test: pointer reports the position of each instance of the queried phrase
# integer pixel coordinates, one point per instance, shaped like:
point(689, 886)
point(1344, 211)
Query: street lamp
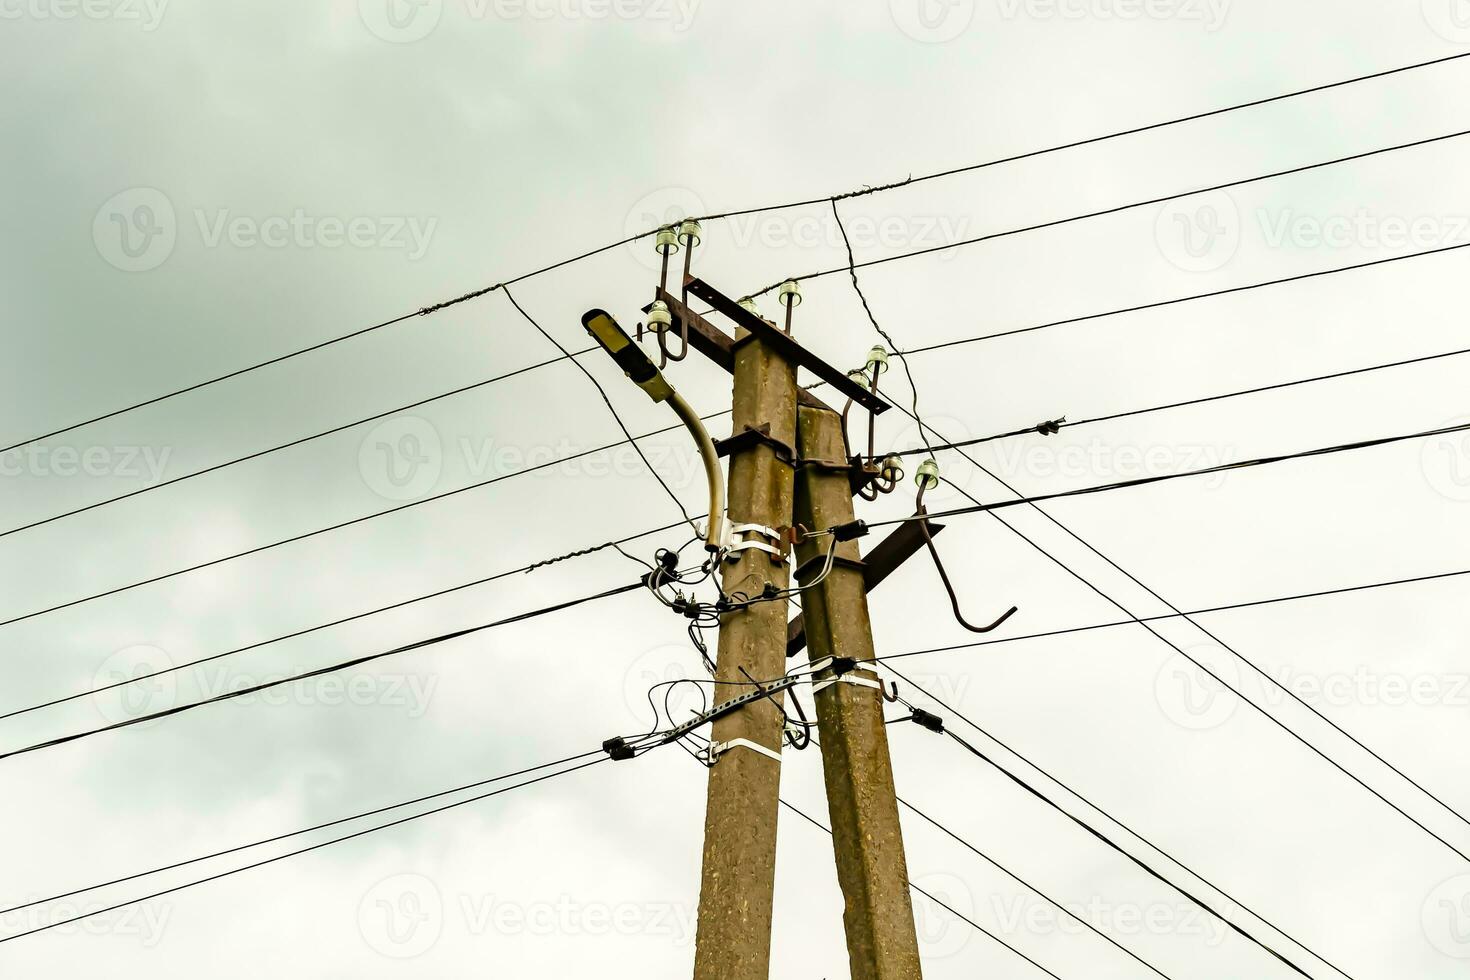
point(640, 369)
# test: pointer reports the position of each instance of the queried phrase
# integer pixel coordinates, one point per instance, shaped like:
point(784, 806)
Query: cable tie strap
point(924, 719)
point(717, 749)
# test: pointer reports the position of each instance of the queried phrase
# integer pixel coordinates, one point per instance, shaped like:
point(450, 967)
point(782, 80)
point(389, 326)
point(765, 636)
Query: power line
point(315, 847)
point(1059, 424)
point(1122, 207)
point(1099, 835)
point(929, 895)
point(297, 833)
point(1146, 480)
point(475, 294)
point(1071, 630)
point(337, 527)
point(1058, 905)
point(1181, 652)
point(338, 622)
point(1212, 294)
point(318, 672)
point(1019, 755)
point(297, 442)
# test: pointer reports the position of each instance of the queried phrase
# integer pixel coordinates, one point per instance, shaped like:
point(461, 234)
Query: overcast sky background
point(464, 144)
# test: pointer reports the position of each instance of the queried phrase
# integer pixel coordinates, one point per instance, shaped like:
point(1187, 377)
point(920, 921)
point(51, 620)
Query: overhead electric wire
point(1026, 884)
point(317, 846)
point(336, 527)
point(1145, 866)
point(296, 442)
point(1165, 477)
point(932, 897)
point(1212, 294)
point(1149, 843)
point(1058, 222)
point(296, 833)
point(1032, 502)
point(319, 671)
point(1250, 604)
point(1062, 424)
point(474, 294)
point(338, 622)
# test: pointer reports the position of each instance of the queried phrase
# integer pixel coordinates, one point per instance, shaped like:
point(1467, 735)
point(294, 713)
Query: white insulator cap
point(666, 241)
point(878, 359)
point(749, 305)
point(790, 294)
point(928, 475)
point(892, 468)
point(659, 315)
point(689, 232)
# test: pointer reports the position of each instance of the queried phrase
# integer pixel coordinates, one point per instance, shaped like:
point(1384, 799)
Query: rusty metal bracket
point(756, 436)
point(788, 348)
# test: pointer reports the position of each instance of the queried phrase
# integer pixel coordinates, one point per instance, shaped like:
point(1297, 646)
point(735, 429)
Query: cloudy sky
point(192, 188)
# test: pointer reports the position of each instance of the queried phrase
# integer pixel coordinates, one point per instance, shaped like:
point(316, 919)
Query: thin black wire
point(892, 344)
point(947, 907)
point(1059, 906)
point(427, 310)
point(318, 672)
point(296, 442)
point(1123, 207)
point(1174, 615)
point(304, 850)
point(1019, 755)
point(1064, 424)
point(297, 833)
point(1212, 294)
point(610, 407)
point(1162, 478)
point(1149, 869)
point(338, 622)
point(336, 527)
point(1181, 652)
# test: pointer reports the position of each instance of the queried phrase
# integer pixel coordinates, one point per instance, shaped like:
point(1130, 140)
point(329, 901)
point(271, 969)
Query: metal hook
point(894, 698)
point(954, 601)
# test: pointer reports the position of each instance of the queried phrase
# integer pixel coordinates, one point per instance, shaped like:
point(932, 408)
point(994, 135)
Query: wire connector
point(618, 750)
point(924, 719)
point(1051, 428)
point(851, 531)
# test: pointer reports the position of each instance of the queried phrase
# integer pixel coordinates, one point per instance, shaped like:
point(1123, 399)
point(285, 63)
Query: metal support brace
point(716, 749)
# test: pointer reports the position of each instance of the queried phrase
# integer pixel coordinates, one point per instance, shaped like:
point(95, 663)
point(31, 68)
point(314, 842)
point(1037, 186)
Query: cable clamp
point(712, 754)
point(822, 685)
point(738, 541)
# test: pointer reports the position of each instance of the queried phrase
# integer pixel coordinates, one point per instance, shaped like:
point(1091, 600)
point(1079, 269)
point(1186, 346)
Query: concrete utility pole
point(878, 915)
point(738, 878)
